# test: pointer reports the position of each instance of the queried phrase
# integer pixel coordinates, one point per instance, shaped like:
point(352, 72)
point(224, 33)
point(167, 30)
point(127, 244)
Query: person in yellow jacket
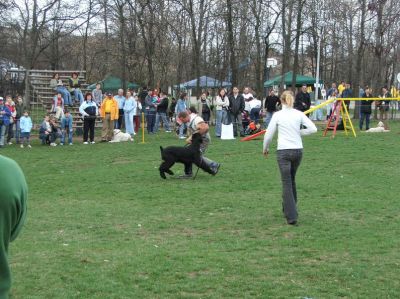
point(109, 113)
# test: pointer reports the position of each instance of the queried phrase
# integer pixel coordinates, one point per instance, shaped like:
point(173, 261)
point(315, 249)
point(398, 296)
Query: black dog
point(186, 155)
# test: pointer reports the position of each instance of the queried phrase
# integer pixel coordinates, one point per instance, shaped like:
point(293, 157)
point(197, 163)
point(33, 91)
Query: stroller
point(252, 128)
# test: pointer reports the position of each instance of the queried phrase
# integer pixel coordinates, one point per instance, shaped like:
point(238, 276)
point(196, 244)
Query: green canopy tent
point(287, 80)
point(113, 83)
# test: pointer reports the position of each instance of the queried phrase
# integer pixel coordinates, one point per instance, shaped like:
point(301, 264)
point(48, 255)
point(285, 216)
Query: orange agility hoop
point(247, 138)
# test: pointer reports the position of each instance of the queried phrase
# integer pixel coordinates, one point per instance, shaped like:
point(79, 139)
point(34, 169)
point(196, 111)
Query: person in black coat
point(236, 107)
point(365, 109)
point(303, 100)
point(271, 105)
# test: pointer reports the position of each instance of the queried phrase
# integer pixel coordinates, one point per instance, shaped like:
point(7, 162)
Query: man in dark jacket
point(161, 114)
point(302, 101)
point(365, 109)
point(236, 107)
point(271, 104)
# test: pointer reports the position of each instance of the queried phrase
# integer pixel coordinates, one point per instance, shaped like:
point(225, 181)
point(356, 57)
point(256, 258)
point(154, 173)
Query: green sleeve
point(13, 197)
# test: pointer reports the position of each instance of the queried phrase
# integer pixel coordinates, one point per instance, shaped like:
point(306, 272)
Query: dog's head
point(381, 124)
point(197, 139)
point(117, 131)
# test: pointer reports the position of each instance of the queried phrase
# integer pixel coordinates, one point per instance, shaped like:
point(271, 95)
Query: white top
point(254, 103)
point(288, 122)
point(222, 103)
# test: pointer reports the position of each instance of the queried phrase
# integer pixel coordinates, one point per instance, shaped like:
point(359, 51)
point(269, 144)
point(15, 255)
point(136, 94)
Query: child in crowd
point(58, 105)
point(26, 127)
point(48, 132)
point(66, 127)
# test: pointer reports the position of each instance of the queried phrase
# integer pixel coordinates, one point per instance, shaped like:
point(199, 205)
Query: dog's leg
point(165, 168)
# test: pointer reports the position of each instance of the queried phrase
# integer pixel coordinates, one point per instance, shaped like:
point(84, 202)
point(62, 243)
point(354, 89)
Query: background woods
point(155, 42)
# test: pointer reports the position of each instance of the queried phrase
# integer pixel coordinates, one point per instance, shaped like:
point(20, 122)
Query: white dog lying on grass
point(120, 136)
point(379, 129)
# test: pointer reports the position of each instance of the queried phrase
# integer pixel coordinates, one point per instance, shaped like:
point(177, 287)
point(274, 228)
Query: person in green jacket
point(13, 197)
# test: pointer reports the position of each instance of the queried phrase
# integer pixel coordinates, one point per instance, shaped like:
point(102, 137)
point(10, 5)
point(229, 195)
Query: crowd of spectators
point(124, 111)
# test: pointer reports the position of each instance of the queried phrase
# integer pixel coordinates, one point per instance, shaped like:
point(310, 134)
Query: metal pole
point(317, 73)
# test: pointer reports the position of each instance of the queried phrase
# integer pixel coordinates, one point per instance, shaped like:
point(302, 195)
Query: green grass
point(102, 224)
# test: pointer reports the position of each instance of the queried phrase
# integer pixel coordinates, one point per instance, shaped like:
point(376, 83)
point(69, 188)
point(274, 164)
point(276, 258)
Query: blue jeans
point(221, 115)
point(163, 117)
point(63, 133)
point(129, 124)
point(289, 161)
point(78, 95)
point(65, 95)
point(151, 120)
point(365, 116)
point(2, 133)
point(17, 130)
point(267, 119)
point(255, 114)
point(182, 128)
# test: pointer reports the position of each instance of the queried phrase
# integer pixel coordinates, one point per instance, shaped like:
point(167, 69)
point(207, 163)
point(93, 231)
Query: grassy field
point(102, 224)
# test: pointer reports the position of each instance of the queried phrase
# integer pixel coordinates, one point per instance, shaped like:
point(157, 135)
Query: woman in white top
point(291, 125)
point(222, 105)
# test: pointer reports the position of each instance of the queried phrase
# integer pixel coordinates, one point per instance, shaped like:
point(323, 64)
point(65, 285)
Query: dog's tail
point(161, 149)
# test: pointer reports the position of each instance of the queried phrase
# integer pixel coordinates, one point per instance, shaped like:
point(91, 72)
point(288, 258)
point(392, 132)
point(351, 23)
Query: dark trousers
point(118, 123)
point(237, 124)
point(365, 116)
point(88, 126)
point(206, 116)
point(288, 161)
point(10, 132)
point(136, 119)
point(151, 120)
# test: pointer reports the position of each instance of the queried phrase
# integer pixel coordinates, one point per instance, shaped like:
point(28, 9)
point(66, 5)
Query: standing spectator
point(329, 107)
point(384, 106)
point(288, 122)
point(341, 88)
point(162, 113)
point(66, 127)
point(26, 127)
point(13, 197)
point(10, 129)
point(302, 101)
point(142, 95)
point(204, 107)
point(247, 95)
point(347, 93)
point(181, 107)
point(222, 105)
point(121, 102)
point(58, 86)
point(89, 112)
point(331, 90)
point(137, 113)
point(365, 109)
point(151, 101)
point(236, 108)
point(19, 108)
point(129, 112)
point(109, 113)
point(75, 87)
point(5, 115)
point(58, 106)
point(97, 95)
point(271, 105)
